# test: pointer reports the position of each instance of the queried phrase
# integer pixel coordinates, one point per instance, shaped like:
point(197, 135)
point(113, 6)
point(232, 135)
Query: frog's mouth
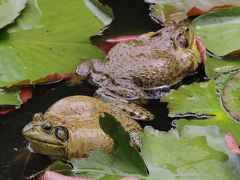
point(47, 148)
point(35, 140)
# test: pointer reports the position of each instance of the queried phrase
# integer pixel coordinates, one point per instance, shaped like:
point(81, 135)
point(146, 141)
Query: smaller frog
point(143, 68)
point(70, 127)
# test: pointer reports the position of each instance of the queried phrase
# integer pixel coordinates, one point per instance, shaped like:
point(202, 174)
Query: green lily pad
point(193, 153)
point(231, 97)
point(222, 81)
point(202, 100)
point(10, 97)
point(124, 161)
point(219, 30)
point(10, 10)
point(167, 10)
point(50, 37)
point(214, 66)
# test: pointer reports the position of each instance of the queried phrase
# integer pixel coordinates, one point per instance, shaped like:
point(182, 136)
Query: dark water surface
point(16, 162)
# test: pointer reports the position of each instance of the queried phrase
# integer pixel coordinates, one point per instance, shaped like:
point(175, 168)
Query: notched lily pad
point(219, 30)
point(10, 10)
point(231, 97)
point(203, 100)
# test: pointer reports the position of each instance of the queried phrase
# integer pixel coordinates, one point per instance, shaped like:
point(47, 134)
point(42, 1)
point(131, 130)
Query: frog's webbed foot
point(132, 110)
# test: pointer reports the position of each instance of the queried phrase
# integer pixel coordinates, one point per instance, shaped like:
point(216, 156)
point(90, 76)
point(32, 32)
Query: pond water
point(16, 162)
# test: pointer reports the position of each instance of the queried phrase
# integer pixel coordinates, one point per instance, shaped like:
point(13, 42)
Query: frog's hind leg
point(132, 110)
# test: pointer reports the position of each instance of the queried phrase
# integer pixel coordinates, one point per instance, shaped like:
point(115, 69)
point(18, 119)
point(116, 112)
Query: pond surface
point(16, 162)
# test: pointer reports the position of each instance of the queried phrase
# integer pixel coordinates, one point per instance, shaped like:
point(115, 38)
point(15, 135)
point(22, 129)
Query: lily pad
point(219, 30)
point(193, 153)
point(202, 100)
point(222, 81)
point(50, 37)
point(167, 10)
point(231, 97)
point(10, 10)
point(10, 97)
point(124, 161)
point(215, 66)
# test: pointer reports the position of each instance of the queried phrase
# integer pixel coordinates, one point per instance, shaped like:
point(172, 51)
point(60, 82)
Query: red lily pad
point(231, 143)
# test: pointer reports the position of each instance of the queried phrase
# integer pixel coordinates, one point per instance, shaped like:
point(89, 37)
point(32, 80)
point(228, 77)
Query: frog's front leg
point(84, 70)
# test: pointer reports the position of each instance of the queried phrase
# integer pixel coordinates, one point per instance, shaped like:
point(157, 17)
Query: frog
point(146, 67)
point(70, 127)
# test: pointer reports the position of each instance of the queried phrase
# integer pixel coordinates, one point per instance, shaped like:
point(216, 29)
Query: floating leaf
point(214, 66)
point(124, 161)
point(201, 99)
point(167, 10)
point(219, 30)
point(10, 10)
point(193, 153)
point(231, 97)
point(221, 82)
point(10, 97)
point(50, 37)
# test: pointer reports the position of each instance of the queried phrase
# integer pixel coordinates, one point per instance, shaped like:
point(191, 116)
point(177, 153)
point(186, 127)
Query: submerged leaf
point(50, 37)
point(219, 30)
point(193, 153)
point(10, 10)
point(167, 10)
point(202, 100)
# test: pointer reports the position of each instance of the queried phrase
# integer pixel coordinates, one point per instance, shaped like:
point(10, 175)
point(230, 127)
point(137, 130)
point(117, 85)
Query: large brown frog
point(143, 68)
point(70, 127)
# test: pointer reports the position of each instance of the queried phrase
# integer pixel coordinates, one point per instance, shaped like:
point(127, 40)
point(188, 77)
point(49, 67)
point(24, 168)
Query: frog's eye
point(182, 41)
point(61, 133)
point(47, 127)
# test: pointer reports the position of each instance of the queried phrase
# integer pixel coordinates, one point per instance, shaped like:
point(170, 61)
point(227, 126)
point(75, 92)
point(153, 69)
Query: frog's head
point(46, 136)
point(179, 39)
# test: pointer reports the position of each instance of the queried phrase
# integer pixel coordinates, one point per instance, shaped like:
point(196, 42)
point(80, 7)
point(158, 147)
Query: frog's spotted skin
point(70, 128)
point(138, 69)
